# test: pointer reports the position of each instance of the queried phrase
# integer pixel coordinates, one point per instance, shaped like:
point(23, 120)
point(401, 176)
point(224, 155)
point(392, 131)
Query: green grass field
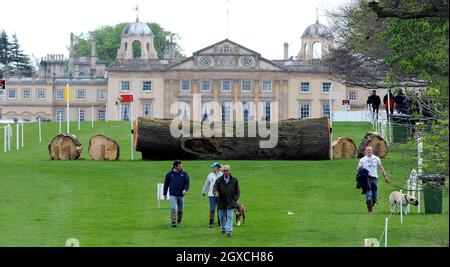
point(45, 202)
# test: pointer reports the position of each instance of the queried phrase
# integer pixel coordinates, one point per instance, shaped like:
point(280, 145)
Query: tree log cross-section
point(65, 147)
point(343, 148)
point(297, 139)
point(103, 147)
point(378, 144)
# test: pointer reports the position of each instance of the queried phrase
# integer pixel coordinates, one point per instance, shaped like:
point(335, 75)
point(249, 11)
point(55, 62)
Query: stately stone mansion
point(225, 73)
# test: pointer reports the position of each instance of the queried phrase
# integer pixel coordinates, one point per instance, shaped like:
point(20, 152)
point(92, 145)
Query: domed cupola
point(317, 30)
point(137, 35)
point(137, 28)
point(316, 42)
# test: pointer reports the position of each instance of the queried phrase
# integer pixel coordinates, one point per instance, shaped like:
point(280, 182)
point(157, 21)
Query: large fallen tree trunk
point(103, 147)
point(343, 148)
point(65, 147)
point(378, 144)
point(297, 139)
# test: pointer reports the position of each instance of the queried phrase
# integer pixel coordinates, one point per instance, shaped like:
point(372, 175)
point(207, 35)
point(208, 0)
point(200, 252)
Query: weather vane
point(137, 11)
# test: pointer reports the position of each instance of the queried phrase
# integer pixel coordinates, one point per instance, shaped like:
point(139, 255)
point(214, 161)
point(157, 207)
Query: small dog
point(239, 210)
point(395, 198)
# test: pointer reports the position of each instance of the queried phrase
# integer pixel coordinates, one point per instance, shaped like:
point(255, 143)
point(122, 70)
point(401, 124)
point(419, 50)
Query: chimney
point(170, 50)
point(286, 51)
point(71, 51)
point(93, 53)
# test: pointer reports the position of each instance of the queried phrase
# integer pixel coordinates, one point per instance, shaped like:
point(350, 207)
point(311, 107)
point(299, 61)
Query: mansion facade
point(225, 73)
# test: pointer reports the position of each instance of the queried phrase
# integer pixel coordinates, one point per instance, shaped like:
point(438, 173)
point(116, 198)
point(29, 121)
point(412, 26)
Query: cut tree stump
point(343, 148)
point(378, 144)
point(65, 147)
point(103, 147)
point(307, 139)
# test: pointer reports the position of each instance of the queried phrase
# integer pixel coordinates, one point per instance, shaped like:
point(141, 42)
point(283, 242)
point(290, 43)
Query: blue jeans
point(226, 220)
point(212, 204)
point(176, 202)
point(372, 189)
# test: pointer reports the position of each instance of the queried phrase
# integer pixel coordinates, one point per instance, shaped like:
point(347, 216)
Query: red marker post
point(128, 98)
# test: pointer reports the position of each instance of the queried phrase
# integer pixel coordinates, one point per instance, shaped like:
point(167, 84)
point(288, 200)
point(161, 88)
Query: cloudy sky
point(43, 27)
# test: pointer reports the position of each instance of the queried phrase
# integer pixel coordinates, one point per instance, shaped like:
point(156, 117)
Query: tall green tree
point(21, 64)
point(108, 41)
point(5, 54)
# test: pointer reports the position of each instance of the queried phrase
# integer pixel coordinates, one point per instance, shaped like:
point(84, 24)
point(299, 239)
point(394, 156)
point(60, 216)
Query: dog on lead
point(239, 210)
point(396, 197)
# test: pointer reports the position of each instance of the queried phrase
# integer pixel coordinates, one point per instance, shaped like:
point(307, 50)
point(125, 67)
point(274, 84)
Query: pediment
point(226, 55)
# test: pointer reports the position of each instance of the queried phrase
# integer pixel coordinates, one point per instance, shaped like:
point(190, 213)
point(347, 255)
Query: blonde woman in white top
point(208, 189)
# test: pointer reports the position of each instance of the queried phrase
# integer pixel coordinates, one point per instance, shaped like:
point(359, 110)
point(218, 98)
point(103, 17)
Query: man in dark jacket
point(375, 101)
point(177, 182)
point(227, 191)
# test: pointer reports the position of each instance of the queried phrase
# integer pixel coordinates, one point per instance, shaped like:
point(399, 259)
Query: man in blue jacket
point(177, 183)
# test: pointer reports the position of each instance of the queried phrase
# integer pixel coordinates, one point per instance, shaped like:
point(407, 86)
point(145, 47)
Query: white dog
point(395, 198)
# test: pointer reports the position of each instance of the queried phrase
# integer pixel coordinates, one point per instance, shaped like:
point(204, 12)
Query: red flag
point(128, 98)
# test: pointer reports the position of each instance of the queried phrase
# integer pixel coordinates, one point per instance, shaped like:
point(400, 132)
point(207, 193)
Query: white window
point(304, 110)
point(206, 111)
point(59, 94)
point(304, 87)
point(125, 86)
point(101, 95)
point(59, 115)
point(225, 49)
point(226, 86)
point(247, 112)
point(26, 94)
point(11, 94)
point(326, 87)
point(326, 110)
point(147, 86)
point(125, 111)
point(101, 115)
point(226, 111)
point(267, 86)
point(146, 109)
point(40, 94)
point(81, 114)
point(185, 86)
point(266, 112)
point(81, 95)
point(246, 86)
point(352, 96)
point(206, 86)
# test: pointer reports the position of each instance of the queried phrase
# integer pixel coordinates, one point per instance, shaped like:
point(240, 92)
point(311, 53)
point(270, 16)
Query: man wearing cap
point(208, 189)
point(177, 183)
point(227, 191)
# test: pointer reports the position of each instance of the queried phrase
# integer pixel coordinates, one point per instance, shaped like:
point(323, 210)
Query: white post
point(331, 120)
point(22, 134)
point(131, 131)
point(401, 206)
point(40, 131)
point(119, 114)
point(419, 167)
point(17, 136)
point(106, 111)
point(92, 116)
point(9, 137)
point(5, 139)
point(78, 115)
point(386, 233)
point(68, 118)
point(60, 121)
